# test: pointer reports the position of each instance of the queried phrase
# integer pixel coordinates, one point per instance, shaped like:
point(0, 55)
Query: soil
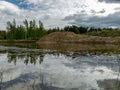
point(69, 41)
point(70, 37)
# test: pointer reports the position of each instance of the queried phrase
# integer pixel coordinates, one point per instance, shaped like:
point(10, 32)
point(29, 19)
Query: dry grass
point(95, 48)
point(70, 37)
point(68, 41)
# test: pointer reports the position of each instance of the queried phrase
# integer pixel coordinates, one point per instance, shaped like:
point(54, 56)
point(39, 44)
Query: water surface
point(39, 69)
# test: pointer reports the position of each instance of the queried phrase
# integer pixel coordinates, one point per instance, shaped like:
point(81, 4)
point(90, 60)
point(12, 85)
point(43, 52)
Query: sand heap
point(70, 37)
point(69, 41)
point(59, 37)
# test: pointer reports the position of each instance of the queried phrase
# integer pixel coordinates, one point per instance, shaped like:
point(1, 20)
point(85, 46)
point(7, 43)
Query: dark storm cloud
point(95, 21)
point(110, 1)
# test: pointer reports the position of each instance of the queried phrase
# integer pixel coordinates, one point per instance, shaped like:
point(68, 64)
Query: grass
point(69, 37)
point(17, 41)
point(87, 48)
point(68, 41)
point(105, 33)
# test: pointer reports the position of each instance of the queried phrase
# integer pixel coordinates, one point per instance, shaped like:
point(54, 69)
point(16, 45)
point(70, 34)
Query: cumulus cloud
point(62, 7)
point(111, 20)
point(10, 11)
point(8, 8)
point(55, 13)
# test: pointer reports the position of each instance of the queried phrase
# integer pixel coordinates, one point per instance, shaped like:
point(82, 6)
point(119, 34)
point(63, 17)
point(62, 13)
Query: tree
point(40, 32)
point(11, 27)
point(26, 28)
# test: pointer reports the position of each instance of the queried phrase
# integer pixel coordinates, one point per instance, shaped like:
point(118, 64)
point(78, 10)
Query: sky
point(59, 13)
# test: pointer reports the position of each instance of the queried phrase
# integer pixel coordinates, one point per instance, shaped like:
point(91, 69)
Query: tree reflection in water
point(41, 83)
point(33, 58)
point(29, 58)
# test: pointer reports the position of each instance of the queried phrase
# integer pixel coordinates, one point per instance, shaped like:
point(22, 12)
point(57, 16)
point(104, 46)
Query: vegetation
point(30, 30)
point(2, 35)
point(75, 29)
point(105, 33)
point(91, 31)
point(28, 58)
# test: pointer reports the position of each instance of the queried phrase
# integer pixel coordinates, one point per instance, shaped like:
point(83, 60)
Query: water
point(38, 69)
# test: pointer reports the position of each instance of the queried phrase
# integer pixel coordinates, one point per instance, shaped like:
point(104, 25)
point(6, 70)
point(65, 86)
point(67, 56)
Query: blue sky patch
point(18, 3)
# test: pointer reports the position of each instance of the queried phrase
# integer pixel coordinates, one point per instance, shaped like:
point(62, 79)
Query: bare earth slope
point(70, 37)
point(58, 37)
point(68, 41)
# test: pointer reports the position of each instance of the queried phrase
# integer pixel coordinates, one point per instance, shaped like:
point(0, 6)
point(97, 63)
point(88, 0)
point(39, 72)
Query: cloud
point(111, 20)
point(10, 11)
point(110, 1)
point(8, 8)
point(94, 12)
point(80, 12)
point(54, 12)
point(7, 12)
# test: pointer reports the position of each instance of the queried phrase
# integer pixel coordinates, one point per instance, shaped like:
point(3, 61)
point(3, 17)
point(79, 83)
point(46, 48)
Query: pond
point(41, 69)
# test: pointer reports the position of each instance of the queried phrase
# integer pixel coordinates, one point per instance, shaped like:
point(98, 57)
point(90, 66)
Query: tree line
point(30, 30)
point(92, 31)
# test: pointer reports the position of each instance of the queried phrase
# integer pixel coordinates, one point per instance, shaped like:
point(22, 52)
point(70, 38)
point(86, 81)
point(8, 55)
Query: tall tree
point(26, 28)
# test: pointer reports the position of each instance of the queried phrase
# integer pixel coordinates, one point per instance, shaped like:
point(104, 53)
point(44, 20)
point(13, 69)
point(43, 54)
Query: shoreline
point(17, 41)
point(68, 41)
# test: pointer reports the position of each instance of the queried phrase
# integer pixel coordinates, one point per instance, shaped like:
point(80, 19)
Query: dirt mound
point(69, 41)
point(70, 37)
point(59, 37)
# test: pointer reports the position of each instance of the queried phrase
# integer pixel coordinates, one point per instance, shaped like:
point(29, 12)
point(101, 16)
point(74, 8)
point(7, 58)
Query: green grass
point(105, 33)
